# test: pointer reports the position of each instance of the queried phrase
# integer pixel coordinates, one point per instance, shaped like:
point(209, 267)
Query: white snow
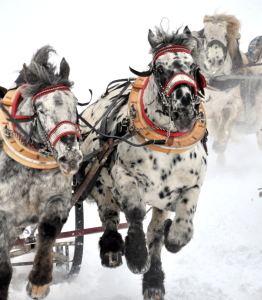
point(222, 262)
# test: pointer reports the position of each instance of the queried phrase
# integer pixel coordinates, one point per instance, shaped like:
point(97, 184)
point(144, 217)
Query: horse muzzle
point(69, 162)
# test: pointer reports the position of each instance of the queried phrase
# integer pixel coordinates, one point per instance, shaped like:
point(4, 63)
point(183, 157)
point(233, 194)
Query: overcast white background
point(100, 40)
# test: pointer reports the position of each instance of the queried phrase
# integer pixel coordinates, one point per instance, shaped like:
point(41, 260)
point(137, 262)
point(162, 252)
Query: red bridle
point(62, 128)
point(180, 77)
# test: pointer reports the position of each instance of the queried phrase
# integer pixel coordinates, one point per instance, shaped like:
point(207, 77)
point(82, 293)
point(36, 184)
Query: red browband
point(50, 89)
point(169, 50)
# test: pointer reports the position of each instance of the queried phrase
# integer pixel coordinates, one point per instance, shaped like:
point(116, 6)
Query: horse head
point(220, 40)
point(172, 95)
point(54, 121)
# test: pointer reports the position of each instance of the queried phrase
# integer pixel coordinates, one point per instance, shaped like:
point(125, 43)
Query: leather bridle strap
point(220, 44)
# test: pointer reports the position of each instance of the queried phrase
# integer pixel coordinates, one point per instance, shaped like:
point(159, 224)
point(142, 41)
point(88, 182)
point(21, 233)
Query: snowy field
point(222, 262)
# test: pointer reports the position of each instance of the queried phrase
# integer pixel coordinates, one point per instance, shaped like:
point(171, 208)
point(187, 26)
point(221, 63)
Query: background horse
point(38, 195)
point(254, 90)
point(221, 56)
point(167, 177)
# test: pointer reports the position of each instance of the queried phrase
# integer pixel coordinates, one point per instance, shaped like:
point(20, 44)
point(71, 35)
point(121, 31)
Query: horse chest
point(25, 191)
point(160, 177)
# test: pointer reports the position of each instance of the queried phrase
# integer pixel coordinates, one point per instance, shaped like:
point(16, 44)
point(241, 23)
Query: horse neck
point(153, 106)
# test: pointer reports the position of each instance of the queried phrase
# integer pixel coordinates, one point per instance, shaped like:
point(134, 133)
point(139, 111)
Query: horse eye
point(160, 70)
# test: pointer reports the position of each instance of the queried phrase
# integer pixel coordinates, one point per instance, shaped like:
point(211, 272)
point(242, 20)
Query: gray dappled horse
point(163, 176)
point(36, 195)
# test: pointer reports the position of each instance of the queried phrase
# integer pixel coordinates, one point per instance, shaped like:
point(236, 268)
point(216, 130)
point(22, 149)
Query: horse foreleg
point(5, 264)
point(48, 229)
point(179, 232)
point(134, 208)
point(228, 119)
point(111, 243)
point(153, 280)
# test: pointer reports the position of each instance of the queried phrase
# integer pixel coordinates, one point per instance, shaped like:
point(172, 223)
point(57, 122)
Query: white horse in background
point(221, 56)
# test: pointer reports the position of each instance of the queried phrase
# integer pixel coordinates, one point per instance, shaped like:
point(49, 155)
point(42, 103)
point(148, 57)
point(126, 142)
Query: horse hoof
point(37, 292)
point(153, 294)
point(137, 270)
point(112, 259)
point(137, 258)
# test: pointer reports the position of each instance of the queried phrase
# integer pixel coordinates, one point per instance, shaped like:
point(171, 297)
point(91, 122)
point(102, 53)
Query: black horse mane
point(43, 72)
point(164, 39)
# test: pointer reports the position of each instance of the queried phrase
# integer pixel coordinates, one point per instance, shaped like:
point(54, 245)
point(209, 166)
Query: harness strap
point(91, 177)
point(113, 104)
point(26, 136)
point(219, 43)
point(124, 138)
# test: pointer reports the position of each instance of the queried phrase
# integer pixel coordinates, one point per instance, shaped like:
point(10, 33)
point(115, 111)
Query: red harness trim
point(170, 49)
point(177, 79)
point(150, 123)
point(57, 136)
point(50, 89)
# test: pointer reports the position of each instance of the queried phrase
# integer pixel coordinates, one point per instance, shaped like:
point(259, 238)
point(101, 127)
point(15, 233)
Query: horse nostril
point(209, 61)
point(220, 62)
point(62, 159)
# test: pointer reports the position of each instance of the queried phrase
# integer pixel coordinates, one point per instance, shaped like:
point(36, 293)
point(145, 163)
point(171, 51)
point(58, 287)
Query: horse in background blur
point(254, 89)
point(221, 56)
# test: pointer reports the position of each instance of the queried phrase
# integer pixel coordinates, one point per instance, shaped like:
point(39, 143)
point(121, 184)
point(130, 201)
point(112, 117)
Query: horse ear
point(152, 38)
point(187, 31)
point(30, 77)
point(64, 69)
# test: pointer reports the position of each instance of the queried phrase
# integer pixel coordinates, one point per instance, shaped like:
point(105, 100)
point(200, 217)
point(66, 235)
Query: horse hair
point(45, 72)
point(164, 39)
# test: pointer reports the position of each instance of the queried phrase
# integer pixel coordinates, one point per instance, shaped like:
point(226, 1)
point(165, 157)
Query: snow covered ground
point(222, 262)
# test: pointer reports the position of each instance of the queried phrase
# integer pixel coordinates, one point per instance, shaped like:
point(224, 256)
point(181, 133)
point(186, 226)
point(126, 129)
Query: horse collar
point(14, 144)
point(176, 142)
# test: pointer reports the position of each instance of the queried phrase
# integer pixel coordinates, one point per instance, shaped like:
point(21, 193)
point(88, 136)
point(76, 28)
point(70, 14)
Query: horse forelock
point(45, 72)
point(164, 39)
point(233, 26)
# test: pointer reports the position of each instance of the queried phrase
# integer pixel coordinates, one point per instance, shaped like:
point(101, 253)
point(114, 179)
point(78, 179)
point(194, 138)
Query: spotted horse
point(160, 161)
point(39, 154)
